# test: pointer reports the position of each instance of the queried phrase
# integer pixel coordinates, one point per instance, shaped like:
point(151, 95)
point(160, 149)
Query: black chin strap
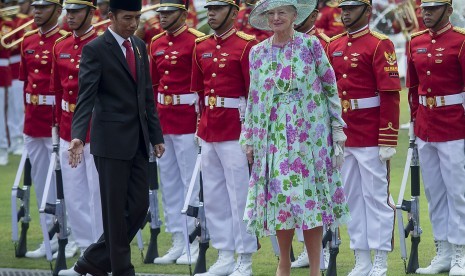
point(174, 22)
point(225, 19)
point(85, 18)
point(303, 23)
point(440, 18)
point(51, 15)
point(358, 18)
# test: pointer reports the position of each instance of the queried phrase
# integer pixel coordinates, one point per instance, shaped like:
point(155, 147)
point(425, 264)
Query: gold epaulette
point(63, 37)
point(418, 33)
point(338, 36)
point(332, 4)
point(245, 36)
point(22, 16)
point(7, 18)
point(379, 36)
point(158, 36)
point(31, 32)
point(195, 32)
point(459, 30)
point(63, 32)
point(324, 37)
point(200, 39)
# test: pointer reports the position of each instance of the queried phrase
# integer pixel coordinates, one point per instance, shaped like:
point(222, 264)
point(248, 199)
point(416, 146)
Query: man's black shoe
point(83, 267)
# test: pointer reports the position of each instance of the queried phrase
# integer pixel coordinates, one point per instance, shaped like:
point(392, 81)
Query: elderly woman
point(292, 134)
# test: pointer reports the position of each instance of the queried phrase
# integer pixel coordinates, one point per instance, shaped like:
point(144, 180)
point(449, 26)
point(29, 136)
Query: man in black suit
point(116, 89)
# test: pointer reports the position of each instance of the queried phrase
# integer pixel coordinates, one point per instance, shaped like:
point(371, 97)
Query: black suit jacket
point(121, 108)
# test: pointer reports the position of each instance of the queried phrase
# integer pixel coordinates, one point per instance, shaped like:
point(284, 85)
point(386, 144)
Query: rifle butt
point(21, 249)
point(413, 264)
point(201, 265)
point(152, 249)
point(292, 254)
point(332, 271)
point(60, 263)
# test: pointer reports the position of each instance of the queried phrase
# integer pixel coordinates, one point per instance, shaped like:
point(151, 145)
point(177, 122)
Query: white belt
point(66, 106)
point(15, 59)
point(189, 99)
point(4, 62)
point(360, 103)
point(214, 101)
point(40, 99)
point(439, 101)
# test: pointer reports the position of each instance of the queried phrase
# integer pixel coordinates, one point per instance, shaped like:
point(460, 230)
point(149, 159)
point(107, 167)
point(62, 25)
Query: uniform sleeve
point(327, 78)
point(462, 59)
point(55, 85)
point(245, 64)
point(412, 84)
point(388, 84)
point(153, 71)
point(23, 66)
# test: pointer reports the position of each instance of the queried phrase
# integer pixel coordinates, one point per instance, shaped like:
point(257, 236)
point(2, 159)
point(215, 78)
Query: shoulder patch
point(338, 36)
point(459, 30)
point(31, 32)
point(379, 36)
point(195, 32)
point(200, 39)
point(158, 36)
point(324, 37)
point(245, 36)
point(63, 37)
point(418, 33)
point(63, 32)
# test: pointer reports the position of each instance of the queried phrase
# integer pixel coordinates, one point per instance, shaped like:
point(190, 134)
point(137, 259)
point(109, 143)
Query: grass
point(264, 261)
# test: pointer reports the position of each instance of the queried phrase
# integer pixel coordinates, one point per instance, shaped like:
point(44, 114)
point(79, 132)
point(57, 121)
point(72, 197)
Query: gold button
point(429, 55)
point(215, 60)
point(77, 66)
point(41, 43)
point(167, 57)
point(428, 73)
point(37, 56)
point(346, 58)
point(344, 93)
point(429, 89)
point(70, 77)
point(34, 85)
point(36, 71)
point(167, 72)
point(433, 41)
point(218, 47)
point(344, 76)
point(165, 87)
point(170, 43)
point(72, 60)
point(214, 75)
point(349, 44)
point(75, 47)
point(70, 92)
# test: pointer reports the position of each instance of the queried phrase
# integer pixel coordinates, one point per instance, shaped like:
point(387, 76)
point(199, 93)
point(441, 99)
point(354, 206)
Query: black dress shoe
point(83, 267)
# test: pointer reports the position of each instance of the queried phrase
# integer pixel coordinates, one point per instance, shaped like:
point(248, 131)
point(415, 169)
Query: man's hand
point(249, 154)
point(159, 150)
point(76, 149)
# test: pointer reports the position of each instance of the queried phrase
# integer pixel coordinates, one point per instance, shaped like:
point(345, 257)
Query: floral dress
point(292, 101)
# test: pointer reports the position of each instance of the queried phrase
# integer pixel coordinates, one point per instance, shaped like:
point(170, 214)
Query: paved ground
point(33, 272)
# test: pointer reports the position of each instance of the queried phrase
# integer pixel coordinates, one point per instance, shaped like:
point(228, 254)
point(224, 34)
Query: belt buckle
point(34, 99)
point(431, 101)
point(72, 107)
point(345, 105)
point(212, 101)
point(168, 100)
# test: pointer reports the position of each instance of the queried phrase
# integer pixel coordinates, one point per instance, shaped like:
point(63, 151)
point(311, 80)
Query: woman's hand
point(249, 154)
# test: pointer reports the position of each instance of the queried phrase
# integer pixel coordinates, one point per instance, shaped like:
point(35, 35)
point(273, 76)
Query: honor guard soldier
point(242, 22)
point(103, 7)
point(171, 54)
point(308, 27)
point(35, 71)
point(80, 184)
point(220, 74)
point(329, 18)
point(436, 81)
point(6, 26)
point(368, 83)
point(149, 25)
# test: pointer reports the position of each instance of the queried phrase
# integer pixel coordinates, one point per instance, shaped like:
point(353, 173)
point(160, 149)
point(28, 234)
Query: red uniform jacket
point(436, 67)
point(35, 71)
point(221, 68)
point(366, 66)
point(242, 24)
point(329, 20)
point(64, 79)
point(6, 26)
point(323, 38)
point(171, 56)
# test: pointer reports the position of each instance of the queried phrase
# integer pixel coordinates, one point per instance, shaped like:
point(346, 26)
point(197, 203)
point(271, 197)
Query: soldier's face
point(103, 7)
point(282, 18)
point(352, 13)
point(431, 15)
point(172, 19)
point(217, 14)
point(76, 17)
point(24, 7)
point(42, 14)
point(124, 22)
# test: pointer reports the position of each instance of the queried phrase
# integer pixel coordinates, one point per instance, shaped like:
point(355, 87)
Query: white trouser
point(39, 151)
point(225, 175)
point(443, 169)
point(82, 196)
point(176, 167)
point(16, 109)
point(370, 203)
point(3, 134)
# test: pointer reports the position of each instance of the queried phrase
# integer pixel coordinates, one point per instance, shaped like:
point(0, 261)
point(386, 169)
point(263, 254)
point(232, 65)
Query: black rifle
point(201, 231)
point(153, 214)
point(412, 207)
point(23, 214)
point(331, 238)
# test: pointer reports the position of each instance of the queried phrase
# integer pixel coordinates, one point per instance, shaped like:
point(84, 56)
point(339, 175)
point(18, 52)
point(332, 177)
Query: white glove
point(338, 133)
point(196, 139)
point(386, 153)
point(338, 157)
point(411, 130)
point(339, 139)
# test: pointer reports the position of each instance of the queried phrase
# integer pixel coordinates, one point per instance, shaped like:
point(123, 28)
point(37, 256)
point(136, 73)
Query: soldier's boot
point(68, 272)
point(70, 250)
point(441, 262)
point(40, 252)
point(380, 264)
point(223, 266)
point(302, 259)
point(362, 263)
point(194, 247)
point(243, 265)
point(458, 261)
point(174, 252)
